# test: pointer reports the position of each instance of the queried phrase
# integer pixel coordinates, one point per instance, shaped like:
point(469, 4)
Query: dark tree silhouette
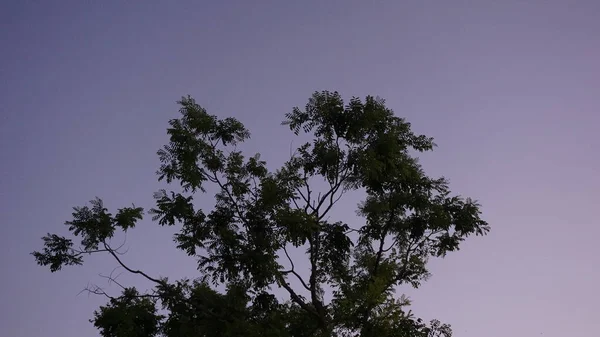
point(242, 243)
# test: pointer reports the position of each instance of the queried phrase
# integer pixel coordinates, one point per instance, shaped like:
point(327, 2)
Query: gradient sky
point(509, 89)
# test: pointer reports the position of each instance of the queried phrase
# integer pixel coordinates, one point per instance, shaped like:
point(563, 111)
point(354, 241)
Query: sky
point(510, 90)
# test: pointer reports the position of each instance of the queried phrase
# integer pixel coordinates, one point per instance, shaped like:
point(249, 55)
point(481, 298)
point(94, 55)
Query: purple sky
point(509, 89)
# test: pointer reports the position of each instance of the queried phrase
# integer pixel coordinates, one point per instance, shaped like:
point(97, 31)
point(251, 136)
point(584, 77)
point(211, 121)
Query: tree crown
point(406, 217)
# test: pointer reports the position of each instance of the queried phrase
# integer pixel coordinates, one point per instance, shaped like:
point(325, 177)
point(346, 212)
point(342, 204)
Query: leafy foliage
point(242, 243)
point(128, 315)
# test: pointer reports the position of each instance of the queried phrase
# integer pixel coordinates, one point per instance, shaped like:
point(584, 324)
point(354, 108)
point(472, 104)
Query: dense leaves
point(243, 242)
point(129, 315)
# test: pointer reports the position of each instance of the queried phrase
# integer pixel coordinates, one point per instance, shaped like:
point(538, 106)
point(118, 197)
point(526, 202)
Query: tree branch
point(314, 246)
point(306, 198)
point(112, 279)
point(293, 271)
point(111, 252)
point(381, 251)
point(280, 276)
point(295, 297)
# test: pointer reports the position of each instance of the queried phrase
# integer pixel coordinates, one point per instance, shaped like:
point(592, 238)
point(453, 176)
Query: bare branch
point(295, 297)
point(113, 279)
point(331, 195)
point(306, 198)
point(111, 252)
point(352, 230)
point(292, 271)
point(394, 243)
point(332, 202)
point(96, 290)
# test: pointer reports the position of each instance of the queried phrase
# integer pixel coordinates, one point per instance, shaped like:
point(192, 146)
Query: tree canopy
point(242, 243)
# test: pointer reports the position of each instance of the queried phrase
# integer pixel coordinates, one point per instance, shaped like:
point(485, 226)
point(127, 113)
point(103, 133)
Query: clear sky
point(509, 89)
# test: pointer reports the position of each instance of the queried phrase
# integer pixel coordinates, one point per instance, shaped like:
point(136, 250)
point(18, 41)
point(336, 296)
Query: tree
point(406, 217)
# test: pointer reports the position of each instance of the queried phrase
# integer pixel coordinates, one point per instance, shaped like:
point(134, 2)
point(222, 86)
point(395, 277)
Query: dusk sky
point(510, 90)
